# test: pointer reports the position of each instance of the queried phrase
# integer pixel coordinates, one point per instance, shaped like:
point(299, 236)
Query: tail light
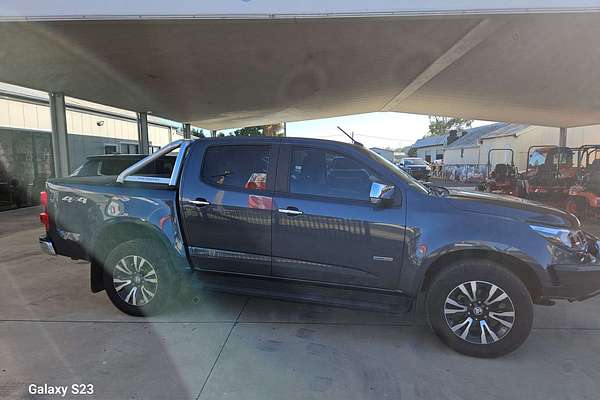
point(44, 214)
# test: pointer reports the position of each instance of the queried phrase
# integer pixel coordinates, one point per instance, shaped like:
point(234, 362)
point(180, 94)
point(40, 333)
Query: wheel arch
point(112, 234)
point(513, 264)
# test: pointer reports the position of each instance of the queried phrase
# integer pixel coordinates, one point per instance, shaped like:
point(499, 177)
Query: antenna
point(351, 137)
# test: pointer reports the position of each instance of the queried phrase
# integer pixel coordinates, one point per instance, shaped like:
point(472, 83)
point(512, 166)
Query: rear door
point(226, 200)
point(324, 227)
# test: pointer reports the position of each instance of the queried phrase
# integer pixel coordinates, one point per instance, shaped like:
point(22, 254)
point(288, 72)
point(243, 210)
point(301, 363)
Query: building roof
point(506, 130)
point(474, 135)
point(435, 140)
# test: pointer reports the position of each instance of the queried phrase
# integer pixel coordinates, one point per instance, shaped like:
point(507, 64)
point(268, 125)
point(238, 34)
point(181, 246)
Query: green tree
point(442, 125)
point(261, 130)
point(249, 131)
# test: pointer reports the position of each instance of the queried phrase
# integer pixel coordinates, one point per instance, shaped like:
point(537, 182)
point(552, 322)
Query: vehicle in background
point(584, 195)
point(114, 164)
point(503, 178)
point(385, 153)
point(326, 222)
point(549, 174)
point(416, 167)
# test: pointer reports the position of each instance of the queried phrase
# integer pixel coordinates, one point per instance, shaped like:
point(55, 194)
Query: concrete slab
point(122, 360)
point(266, 310)
point(12, 221)
point(298, 361)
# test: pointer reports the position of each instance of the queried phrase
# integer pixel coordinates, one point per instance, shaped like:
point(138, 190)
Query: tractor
point(503, 179)
point(549, 174)
point(584, 195)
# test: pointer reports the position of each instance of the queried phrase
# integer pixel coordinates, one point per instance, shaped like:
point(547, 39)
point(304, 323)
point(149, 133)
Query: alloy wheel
point(479, 312)
point(135, 280)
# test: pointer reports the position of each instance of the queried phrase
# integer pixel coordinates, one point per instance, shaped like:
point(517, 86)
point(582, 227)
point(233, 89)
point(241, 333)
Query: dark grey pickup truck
point(326, 222)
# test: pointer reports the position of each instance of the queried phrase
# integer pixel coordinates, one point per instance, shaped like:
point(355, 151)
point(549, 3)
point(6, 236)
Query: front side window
point(242, 167)
point(325, 173)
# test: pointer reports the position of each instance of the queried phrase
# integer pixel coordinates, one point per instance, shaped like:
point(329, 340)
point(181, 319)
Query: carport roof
point(227, 70)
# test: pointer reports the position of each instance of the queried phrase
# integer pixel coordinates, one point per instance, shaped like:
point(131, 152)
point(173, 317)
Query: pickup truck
point(321, 221)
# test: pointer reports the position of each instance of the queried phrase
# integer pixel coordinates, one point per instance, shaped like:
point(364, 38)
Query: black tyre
point(138, 278)
point(479, 308)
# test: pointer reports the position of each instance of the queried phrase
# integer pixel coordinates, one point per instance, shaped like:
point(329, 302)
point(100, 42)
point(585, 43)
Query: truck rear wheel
point(479, 308)
point(138, 278)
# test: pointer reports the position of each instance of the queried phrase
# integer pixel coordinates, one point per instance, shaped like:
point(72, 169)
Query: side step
point(361, 299)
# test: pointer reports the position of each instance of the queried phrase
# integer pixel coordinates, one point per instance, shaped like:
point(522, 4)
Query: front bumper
point(47, 246)
point(574, 282)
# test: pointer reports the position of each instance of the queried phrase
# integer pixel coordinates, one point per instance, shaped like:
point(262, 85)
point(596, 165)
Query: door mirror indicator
point(381, 194)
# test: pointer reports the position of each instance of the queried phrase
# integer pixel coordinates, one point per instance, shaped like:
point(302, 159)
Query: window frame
point(272, 151)
point(283, 182)
point(115, 145)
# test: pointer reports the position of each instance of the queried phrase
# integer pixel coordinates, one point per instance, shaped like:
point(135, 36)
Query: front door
point(226, 203)
point(324, 227)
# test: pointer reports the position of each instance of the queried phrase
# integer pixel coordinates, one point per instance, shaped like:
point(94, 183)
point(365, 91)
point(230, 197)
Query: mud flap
point(96, 280)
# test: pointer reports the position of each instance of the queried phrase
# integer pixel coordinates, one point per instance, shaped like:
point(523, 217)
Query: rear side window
point(241, 167)
point(162, 168)
point(116, 166)
point(325, 173)
point(89, 168)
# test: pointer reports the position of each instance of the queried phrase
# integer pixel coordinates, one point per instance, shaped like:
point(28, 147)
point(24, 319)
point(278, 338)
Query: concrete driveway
point(54, 331)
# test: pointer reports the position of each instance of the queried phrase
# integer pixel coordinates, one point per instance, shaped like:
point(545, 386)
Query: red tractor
point(549, 174)
point(503, 179)
point(584, 195)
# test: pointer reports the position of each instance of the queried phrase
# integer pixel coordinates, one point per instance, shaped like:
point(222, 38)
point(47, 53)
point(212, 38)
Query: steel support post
point(60, 140)
point(143, 140)
point(562, 139)
point(187, 131)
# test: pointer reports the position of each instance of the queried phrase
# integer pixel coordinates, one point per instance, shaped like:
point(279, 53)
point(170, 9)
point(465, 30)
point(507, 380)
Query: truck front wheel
point(138, 278)
point(479, 308)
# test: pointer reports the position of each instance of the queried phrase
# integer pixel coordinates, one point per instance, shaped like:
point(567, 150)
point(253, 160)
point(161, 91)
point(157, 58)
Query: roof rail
point(127, 175)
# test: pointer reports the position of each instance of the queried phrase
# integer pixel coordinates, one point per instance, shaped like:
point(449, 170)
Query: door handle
point(290, 211)
point(199, 202)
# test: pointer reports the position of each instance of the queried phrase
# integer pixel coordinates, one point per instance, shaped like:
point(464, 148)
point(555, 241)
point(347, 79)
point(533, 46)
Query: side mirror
point(381, 194)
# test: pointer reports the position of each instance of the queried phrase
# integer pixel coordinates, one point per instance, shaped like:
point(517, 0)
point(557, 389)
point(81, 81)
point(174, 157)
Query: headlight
point(565, 237)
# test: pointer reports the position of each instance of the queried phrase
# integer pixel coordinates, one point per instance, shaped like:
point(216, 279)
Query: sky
point(380, 129)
